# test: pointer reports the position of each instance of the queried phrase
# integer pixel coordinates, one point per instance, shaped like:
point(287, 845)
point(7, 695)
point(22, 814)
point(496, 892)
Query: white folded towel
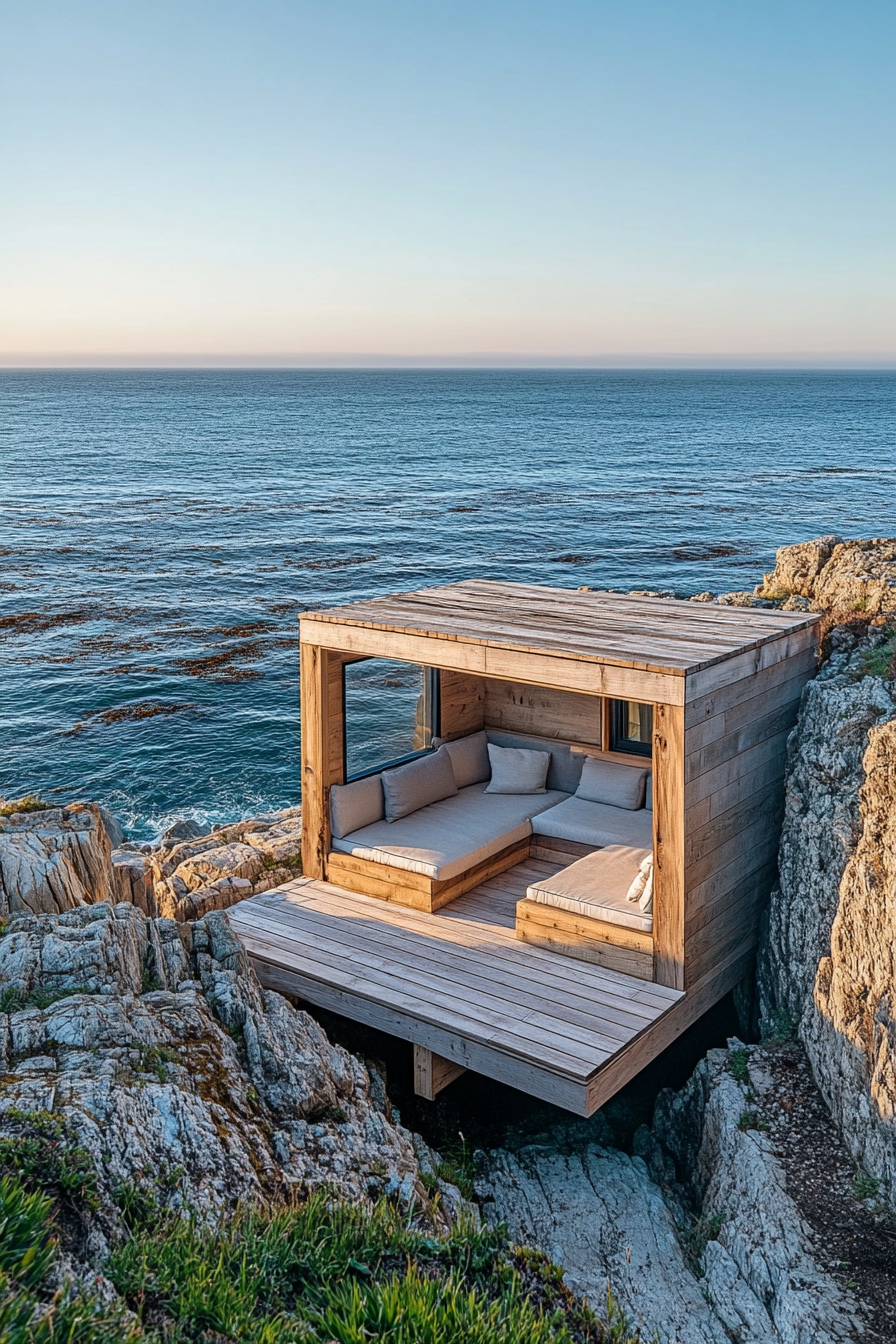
point(642, 877)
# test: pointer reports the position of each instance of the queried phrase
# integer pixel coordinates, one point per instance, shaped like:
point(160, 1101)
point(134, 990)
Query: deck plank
point(460, 975)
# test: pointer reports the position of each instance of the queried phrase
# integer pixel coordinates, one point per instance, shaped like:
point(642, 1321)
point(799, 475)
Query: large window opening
point(391, 713)
point(631, 727)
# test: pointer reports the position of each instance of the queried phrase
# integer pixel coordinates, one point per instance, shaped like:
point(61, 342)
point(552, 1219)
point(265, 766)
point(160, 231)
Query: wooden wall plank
point(668, 846)
point(755, 660)
point(736, 747)
point(462, 701)
point(569, 716)
point(725, 697)
point(538, 669)
point(781, 718)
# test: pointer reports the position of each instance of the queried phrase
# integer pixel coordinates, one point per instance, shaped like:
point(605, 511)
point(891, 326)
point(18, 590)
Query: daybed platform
point(460, 986)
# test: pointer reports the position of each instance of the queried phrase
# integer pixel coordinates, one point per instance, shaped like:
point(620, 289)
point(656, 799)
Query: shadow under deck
point(458, 983)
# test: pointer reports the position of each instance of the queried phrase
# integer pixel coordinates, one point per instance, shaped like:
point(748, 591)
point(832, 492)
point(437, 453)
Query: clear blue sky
point(644, 178)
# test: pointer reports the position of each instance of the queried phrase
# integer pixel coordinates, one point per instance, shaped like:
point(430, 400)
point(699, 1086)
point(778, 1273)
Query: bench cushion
point(407, 788)
point(446, 838)
point(596, 824)
point(596, 886)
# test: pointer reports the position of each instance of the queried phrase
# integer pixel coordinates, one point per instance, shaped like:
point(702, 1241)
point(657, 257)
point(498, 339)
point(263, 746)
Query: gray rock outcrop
point(827, 966)
point(66, 857)
point(596, 1212)
point(840, 578)
point(696, 1234)
point(759, 1270)
point(158, 1049)
point(55, 860)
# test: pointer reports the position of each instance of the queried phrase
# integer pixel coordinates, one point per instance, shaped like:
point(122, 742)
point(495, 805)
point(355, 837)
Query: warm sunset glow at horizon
point(582, 183)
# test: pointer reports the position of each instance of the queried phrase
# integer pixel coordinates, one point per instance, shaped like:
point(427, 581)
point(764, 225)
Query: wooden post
point(315, 738)
point(432, 1072)
point(668, 845)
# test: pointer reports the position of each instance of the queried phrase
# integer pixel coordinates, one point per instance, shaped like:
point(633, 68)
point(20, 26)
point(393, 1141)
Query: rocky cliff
point(826, 969)
point(55, 859)
point(157, 1049)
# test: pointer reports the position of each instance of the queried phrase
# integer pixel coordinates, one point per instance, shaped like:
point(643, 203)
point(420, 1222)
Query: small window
point(631, 727)
point(391, 713)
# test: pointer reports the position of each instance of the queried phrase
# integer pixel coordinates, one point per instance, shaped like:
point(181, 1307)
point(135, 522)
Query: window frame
point(432, 688)
point(619, 744)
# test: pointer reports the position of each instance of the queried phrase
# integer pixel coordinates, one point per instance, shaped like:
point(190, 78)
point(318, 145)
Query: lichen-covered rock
point(178, 1073)
point(759, 1272)
point(66, 857)
point(838, 577)
point(596, 1212)
point(827, 966)
point(55, 860)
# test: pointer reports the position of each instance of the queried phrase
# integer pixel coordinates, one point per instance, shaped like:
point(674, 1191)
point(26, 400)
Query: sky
point(365, 181)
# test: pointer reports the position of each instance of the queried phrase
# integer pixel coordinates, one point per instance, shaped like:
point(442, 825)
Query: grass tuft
point(30, 803)
point(38, 1150)
point(739, 1065)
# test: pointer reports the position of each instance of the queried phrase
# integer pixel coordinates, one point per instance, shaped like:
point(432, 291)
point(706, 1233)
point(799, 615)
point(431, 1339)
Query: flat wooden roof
point(656, 634)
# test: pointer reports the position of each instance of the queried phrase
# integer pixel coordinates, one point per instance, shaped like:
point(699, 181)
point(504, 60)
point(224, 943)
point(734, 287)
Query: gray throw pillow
point(409, 787)
point(469, 759)
point(355, 805)
point(607, 782)
point(517, 770)
point(648, 796)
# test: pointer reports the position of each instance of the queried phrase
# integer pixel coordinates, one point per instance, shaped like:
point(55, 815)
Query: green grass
point(12, 1000)
point(881, 662)
point(456, 1166)
point(779, 1028)
point(32, 1312)
point(739, 1065)
point(292, 862)
point(865, 1187)
point(39, 1152)
point(324, 1271)
point(751, 1120)
point(320, 1272)
point(30, 803)
point(695, 1237)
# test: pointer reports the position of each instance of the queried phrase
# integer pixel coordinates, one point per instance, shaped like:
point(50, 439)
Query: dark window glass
point(391, 712)
point(631, 727)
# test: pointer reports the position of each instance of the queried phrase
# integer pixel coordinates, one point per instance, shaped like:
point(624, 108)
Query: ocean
point(160, 531)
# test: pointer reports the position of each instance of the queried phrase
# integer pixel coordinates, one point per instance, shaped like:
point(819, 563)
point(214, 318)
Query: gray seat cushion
point(446, 838)
point(596, 886)
point(596, 824)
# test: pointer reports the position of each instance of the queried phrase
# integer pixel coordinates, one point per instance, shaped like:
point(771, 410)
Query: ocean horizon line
point(324, 362)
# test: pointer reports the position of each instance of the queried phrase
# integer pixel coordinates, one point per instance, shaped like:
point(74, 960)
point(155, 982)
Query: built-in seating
point(598, 886)
point(444, 839)
point(448, 816)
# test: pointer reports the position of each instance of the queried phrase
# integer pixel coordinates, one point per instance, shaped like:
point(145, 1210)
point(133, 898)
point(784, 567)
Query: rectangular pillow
point(615, 785)
point(355, 805)
point(516, 770)
point(469, 759)
point(648, 796)
point(409, 787)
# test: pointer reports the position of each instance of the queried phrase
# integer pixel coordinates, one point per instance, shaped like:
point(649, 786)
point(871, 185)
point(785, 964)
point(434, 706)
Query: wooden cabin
point(568, 866)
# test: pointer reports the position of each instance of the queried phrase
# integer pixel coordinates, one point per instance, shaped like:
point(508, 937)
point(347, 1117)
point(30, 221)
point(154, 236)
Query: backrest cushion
point(355, 805)
point(469, 759)
point(607, 782)
point(516, 770)
point(409, 787)
point(565, 769)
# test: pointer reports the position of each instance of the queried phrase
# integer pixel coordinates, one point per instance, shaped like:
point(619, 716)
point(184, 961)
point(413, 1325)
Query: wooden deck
point(459, 983)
